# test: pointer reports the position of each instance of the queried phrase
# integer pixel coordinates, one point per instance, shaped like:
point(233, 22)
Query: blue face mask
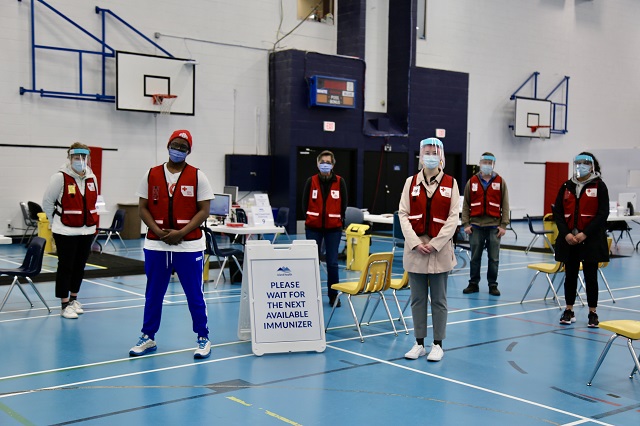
point(486, 169)
point(78, 166)
point(431, 161)
point(177, 156)
point(583, 170)
point(325, 168)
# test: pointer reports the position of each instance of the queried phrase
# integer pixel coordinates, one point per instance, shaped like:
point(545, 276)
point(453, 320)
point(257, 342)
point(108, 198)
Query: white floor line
point(469, 385)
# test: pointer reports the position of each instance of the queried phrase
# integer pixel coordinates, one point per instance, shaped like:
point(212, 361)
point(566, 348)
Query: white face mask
point(486, 169)
point(582, 170)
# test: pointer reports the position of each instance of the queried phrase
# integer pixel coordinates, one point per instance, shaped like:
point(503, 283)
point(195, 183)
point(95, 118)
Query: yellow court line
point(88, 264)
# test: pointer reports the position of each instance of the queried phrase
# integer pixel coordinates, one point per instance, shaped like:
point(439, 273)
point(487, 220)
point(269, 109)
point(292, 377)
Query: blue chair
point(225, 253)
point(398, 236)
point(31, 266)
point(537, 234)
point(117, 225)
point(282, 219)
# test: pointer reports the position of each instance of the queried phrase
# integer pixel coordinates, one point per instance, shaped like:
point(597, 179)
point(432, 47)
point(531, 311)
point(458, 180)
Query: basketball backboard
point(533, 118)
point(140, 76)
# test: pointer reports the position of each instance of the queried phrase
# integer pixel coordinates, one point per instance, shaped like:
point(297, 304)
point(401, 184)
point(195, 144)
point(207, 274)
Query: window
point(316, 10)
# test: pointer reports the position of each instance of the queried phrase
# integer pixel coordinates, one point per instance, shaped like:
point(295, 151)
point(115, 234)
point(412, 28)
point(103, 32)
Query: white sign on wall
point(284, 297)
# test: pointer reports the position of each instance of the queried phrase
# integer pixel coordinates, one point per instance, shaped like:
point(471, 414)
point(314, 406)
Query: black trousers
point(73, 252)
point(590, 269)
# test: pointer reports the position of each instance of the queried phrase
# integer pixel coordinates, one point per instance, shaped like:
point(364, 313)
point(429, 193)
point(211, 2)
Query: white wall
point(232, 107)
point(498, 42)
point(502, 42)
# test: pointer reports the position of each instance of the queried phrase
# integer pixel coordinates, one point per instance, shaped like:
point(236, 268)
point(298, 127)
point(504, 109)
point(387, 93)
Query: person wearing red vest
point(70, 203)
point(485, 218)
point(428, 214)
point(580, 212)
point(324, 201)
point(174, 203)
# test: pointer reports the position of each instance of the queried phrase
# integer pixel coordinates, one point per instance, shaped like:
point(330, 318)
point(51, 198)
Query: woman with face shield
point(70, 204)
point(580, 212)
point(428, 214)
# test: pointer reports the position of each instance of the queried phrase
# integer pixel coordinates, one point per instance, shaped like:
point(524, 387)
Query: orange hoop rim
point(534, 128)
point(158, 98)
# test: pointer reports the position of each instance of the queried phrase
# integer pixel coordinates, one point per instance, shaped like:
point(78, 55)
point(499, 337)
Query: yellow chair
point(374, 279)
point(628, 329)
point(546, 268)
point(396, 284)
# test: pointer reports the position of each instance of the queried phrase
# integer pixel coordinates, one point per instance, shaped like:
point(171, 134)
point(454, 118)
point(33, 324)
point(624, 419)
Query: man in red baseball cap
point(174, 202)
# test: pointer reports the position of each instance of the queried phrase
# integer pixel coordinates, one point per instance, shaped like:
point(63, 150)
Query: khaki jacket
point(444, 259)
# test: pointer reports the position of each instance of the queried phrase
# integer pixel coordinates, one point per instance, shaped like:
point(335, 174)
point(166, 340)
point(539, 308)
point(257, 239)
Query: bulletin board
point(281, 298)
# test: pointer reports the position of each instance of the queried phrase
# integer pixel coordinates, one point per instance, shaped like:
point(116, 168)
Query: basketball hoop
point(535, 128)
point(164, 102)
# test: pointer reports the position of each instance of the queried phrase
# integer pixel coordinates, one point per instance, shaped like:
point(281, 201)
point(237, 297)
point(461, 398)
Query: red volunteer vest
point(579, 214)
point(77, 210)
point(323, 213)
point(487, 202)
point(173, 212)
point(428, 215)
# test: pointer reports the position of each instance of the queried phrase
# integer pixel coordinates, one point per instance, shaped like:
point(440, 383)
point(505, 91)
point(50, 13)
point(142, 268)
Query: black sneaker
point(471, 288)
point(567, 317)
point(493, 290)
point(593, 320)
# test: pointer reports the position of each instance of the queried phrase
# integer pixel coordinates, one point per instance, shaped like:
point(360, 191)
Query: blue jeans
point(479, 239)
point(331, 244)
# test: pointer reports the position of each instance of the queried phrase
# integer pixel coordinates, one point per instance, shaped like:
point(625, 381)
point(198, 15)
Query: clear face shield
point(582, 166)
point(432, 153)
point(487, 163)
point(79, 159)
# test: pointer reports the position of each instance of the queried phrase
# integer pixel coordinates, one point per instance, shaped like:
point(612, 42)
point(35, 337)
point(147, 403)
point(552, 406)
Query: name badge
point(495, 185)
point(445, 192)
point(335, 194)
point(91, 186)
point(71, 189)
point(415, 191)
point(187, 190)
point(592, 192)
point(314, 194)
point(474, 186)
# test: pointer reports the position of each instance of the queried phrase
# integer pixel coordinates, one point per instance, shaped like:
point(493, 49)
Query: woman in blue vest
point(428, 214)
point(174, 202)
point(580, 212)
point(70, 205)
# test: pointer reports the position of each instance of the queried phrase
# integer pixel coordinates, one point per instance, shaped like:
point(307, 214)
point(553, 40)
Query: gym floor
point(504, 363)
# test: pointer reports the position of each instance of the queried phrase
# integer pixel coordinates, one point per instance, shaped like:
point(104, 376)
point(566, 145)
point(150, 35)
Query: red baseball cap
point(183, 134)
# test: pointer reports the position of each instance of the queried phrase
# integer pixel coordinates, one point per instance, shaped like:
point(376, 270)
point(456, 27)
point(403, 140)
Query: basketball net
point(164, 102)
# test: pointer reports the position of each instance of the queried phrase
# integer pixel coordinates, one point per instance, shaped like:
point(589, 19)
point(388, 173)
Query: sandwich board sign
point(281, 298)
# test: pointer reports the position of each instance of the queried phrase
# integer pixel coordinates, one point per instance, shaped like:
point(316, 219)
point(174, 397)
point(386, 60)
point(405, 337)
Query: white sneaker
point(77, 306)
point(436, 353)
point(144, 346)
point(416, 352)
point(204, 348)
point(69, 312)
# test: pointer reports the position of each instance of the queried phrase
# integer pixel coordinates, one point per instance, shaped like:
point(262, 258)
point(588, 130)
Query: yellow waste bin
point(357, 246)
point(45, 232)
point(550, 225)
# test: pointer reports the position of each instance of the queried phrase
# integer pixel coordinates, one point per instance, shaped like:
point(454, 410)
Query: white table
point(248, 230)
point(386, 218)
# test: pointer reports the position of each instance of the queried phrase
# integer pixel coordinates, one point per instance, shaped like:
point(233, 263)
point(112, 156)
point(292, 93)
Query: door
point(384, 176)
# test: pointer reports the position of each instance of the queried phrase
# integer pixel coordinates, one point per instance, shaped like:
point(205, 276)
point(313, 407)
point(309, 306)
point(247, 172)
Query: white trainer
point(416, 352)
point(436, 353)
point(144, 346)
point(204, 348)
point(77, 306)
point(69, 312)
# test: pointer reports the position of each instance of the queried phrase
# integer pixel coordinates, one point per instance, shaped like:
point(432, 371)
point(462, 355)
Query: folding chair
point(372, 280)
point(537, 234)
point(628, 329)
point(31, 266)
